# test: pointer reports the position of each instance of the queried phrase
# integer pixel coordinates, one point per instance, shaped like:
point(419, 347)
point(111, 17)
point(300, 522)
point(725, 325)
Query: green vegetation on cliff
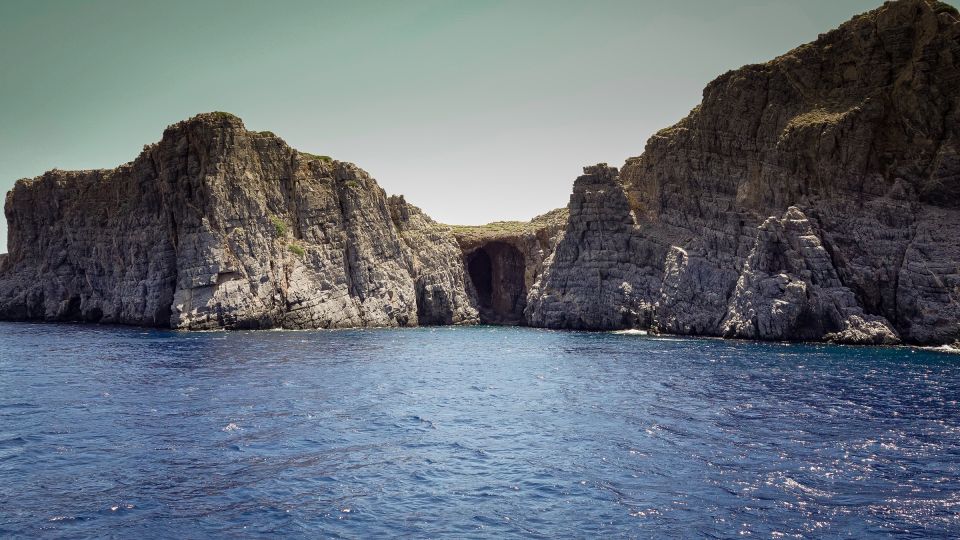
point(296, 250)
point(310, 156)
point(500, 229)
point(279, 226)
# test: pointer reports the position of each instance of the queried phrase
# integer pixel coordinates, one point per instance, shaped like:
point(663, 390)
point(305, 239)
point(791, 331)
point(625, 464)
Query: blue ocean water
point(470, 432)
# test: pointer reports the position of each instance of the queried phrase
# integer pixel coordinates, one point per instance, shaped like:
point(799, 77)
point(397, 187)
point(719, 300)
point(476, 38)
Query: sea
point(470, 432)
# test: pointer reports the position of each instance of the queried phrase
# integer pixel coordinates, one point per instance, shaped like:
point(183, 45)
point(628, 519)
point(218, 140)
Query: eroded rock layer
point(216, 226)
point(505, 260)
point(812, 197)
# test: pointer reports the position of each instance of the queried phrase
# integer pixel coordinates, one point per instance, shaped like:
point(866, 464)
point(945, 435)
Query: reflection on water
point(470, 432)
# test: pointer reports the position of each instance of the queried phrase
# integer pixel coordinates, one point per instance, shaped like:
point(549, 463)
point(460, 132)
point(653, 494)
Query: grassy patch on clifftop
point(310, 156)
point(495, 229)
point(817, 116)
point(510, 229)
point(940, 7)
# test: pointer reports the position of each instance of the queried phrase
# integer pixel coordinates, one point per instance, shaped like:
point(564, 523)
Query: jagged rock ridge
point(812, 197)
point(216, 226)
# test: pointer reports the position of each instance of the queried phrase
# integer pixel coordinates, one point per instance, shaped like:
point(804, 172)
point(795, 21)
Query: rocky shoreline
point(815, 197)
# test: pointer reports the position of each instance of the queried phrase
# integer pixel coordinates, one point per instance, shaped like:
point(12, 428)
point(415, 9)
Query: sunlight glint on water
point(470, 432)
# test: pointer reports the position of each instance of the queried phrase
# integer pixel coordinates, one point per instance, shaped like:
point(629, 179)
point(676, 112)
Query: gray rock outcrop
point(593, 280)
point(504, 260)
point(789, 289)
point(814, 197)
point(216, 226)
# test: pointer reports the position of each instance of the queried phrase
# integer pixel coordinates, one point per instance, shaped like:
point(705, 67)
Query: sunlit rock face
point(216, 226)
point(812, 197)
point(595, 278)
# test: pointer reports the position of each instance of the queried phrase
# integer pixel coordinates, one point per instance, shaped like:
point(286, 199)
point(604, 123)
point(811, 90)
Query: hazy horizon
point(475, 111)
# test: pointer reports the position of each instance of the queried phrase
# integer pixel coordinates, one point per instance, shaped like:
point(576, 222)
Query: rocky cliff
point(813, 197)
point(816, 196)
point(504, 261)
point(217, 226)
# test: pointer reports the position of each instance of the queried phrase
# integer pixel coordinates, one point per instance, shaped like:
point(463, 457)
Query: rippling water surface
point(470, 432)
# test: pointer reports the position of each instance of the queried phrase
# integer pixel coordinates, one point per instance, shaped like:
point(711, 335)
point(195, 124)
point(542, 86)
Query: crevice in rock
point(349, 255)
point(496, 273)
point(72, 310)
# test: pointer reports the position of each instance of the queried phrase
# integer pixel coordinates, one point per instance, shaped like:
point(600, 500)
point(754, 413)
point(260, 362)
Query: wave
point(631, 332)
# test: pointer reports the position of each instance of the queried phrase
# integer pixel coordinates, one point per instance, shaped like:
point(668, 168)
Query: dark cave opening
point(496, 271)
point(481, 273)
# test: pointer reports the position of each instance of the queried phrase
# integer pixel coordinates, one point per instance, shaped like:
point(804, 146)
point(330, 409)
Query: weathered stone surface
point(438, 271)
point(812, 197)
point(219, 227)
point(789, 289)
point(593, 279)
point(504, 260)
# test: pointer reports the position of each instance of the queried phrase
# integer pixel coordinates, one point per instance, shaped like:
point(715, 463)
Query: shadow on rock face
point(496, 271)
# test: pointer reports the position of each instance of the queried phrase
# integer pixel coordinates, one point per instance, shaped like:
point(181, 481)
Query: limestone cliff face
point(219, 227)
point(504, 260)
point(435, 263)
point(816, 196)
point(592, 280)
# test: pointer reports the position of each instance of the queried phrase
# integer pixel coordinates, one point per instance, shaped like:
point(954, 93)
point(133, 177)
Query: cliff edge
point(216, 226)
point(816, 196)
point(813, 197)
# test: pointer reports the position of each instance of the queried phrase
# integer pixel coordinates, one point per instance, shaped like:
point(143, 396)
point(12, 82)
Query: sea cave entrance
point(496, 270)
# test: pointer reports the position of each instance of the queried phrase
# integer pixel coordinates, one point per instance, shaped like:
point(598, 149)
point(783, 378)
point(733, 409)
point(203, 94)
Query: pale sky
point(475, 110)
